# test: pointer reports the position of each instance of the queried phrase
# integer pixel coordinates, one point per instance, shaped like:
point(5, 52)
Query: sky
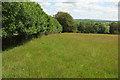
point(82, 9)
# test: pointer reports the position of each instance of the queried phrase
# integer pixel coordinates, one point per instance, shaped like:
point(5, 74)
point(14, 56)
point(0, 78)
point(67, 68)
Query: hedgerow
point(26, 18)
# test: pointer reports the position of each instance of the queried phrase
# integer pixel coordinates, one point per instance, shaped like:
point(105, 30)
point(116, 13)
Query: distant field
point(66, 55)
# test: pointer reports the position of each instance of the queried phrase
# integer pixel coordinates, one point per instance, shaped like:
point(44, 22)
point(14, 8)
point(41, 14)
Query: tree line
point(70, 25)
point(27, 18)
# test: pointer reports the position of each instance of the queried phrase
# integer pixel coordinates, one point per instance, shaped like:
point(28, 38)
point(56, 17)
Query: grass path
point(66, 55)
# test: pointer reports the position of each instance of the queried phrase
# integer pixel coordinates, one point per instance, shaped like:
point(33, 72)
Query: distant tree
point(81, 27)
point(99, 27)
point(119, 27)
point(113, 28)
point(67, 21)
point(89, 27)
point(96, 27)
point(107, 28)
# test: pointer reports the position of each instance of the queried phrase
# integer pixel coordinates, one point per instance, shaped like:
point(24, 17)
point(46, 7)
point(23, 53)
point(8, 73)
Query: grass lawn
point(65, 55)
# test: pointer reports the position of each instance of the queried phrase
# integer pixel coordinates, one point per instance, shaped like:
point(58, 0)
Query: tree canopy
point(67, 21)
point(26, 18)
point(113, 27)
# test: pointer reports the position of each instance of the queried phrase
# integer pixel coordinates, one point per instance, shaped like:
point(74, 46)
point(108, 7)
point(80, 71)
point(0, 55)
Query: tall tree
point(67, 21)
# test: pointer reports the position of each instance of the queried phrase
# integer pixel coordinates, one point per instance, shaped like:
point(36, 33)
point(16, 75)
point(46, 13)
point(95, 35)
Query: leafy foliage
point(99, 27)
point(26, 18)
point(89, 27)
point(67, 21)
point(113, 28)
point(92, 27)
point(81, 27)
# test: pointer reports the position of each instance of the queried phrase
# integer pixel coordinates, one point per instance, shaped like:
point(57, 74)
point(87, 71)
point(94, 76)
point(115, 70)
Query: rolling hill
point(94, 20)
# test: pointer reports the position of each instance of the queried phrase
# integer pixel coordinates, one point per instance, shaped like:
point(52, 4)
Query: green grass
point(66, 55)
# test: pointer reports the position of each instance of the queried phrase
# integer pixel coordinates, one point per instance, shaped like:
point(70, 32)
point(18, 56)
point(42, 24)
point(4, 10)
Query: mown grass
point(66, 55)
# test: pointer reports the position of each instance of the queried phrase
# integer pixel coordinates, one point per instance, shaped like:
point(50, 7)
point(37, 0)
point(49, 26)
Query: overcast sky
point(82, 9)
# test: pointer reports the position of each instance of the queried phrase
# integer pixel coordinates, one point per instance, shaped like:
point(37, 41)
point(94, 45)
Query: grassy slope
point(64, 55)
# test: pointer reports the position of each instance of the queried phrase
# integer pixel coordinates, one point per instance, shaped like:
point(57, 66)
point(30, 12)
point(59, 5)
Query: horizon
point(81, 9)
point(99, 19)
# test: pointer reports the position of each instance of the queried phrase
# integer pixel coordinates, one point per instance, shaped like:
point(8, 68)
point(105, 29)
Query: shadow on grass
point(11, 42)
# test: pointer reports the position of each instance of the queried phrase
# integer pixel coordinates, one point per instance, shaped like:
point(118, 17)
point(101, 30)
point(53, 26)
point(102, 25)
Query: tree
point(96, 27)
point(107, 28)
point(67, 21)
point(113, 28)
point(81, 27)
point(119, 27)
point(99, 27)
point(89, 27)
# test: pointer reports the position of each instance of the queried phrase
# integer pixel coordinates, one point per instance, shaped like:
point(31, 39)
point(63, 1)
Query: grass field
point(66, 55)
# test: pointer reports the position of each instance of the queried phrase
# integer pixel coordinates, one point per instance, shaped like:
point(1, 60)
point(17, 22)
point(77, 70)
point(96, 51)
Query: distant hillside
point(94, 20)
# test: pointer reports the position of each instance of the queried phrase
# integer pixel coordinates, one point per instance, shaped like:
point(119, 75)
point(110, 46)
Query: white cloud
point(116, 1)
point(82, 8)
point(94, 11)
point(98, 1)
point(42, 0)
point(44, 3)
point(64, 5)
